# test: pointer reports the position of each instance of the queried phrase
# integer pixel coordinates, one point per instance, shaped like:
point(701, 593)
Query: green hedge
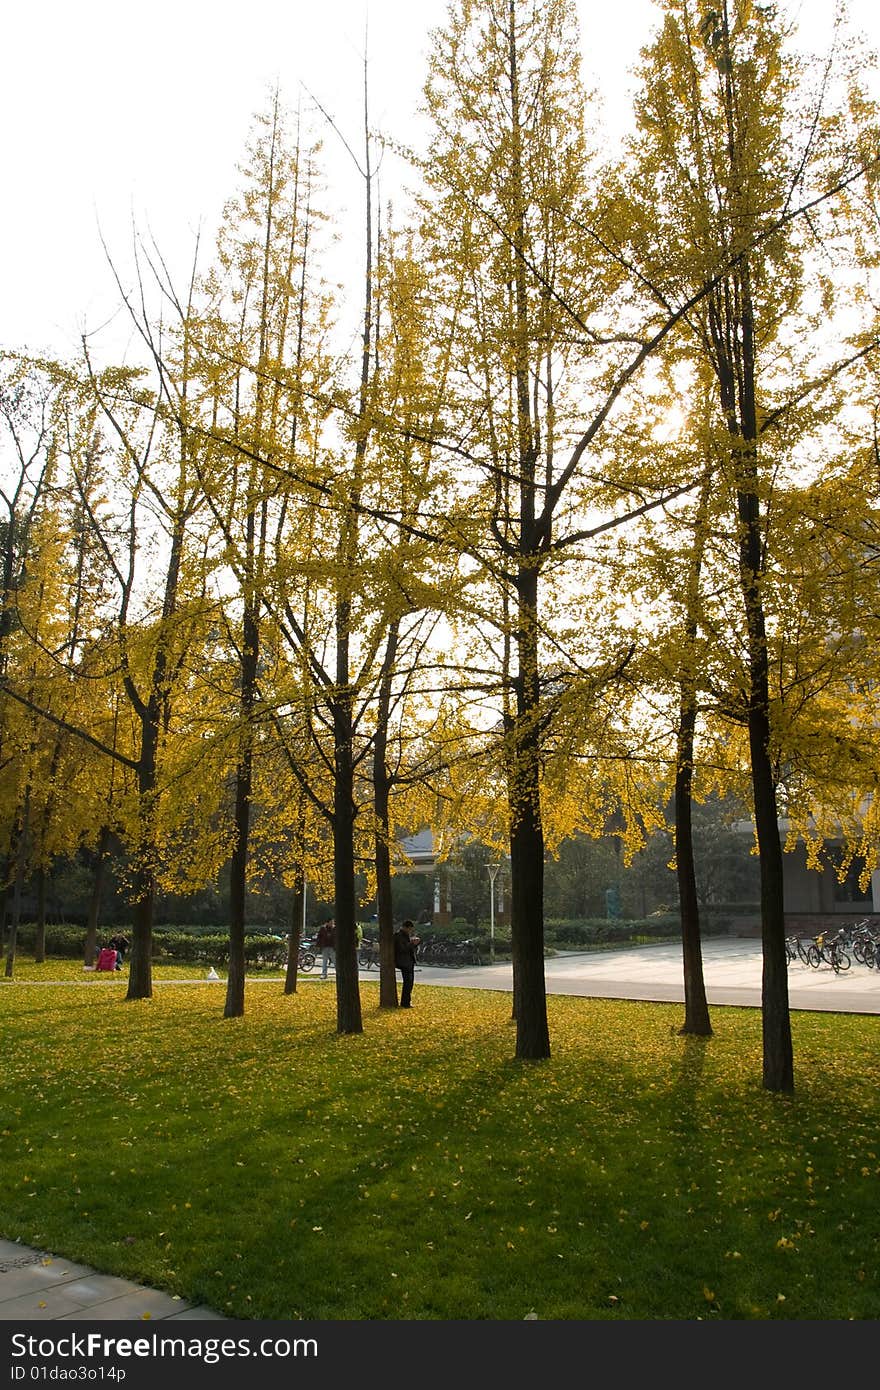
point(62, 940)
point(68, 942)
point(602, 931)
point(212, 948)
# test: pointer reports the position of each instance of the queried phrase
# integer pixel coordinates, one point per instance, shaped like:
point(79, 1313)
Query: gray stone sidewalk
point(36, 1286)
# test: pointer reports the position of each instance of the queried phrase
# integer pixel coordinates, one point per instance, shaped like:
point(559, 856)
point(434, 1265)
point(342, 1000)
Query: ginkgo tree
point(547, 343)
point(744, 161)
point(27, 455)
point(260, 359)
point(154, 550)
point(46, 772)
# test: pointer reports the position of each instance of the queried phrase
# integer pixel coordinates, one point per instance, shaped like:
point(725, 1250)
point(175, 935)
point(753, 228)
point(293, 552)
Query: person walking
point(326, 944)
point(405, 960)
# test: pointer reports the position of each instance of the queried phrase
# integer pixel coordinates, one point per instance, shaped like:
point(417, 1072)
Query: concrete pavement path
point(731, 967)
point(37, 1286)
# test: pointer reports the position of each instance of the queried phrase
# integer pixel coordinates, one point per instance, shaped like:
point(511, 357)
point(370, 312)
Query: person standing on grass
point(326, 944)
point(405, 959)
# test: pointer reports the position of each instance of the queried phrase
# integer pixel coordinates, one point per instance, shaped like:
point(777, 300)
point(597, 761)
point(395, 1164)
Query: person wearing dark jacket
point(119, 944)
point(405, 959)
point(326, 944)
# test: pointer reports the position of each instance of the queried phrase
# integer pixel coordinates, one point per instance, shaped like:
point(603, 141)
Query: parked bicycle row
point(432, 950)
point(439, 950)
point(859, 942)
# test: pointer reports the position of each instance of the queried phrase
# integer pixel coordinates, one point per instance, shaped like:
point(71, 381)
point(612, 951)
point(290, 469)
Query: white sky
point(116, 113)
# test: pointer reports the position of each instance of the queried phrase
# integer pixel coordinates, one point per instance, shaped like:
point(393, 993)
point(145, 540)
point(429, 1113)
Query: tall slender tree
point(734, 157)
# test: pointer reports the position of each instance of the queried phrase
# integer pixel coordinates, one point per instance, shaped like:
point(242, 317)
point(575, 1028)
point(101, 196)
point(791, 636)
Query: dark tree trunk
point(696, 1007)
point(778, 1070)
point(100, 860)
point(385, 917)
point(150, 712)
point(348, 999)
point(234, 1006)
point(40, 930)
point(294, 936)
point(140, 970)
point(45, 823)
point(527, 836)
point(382, 808)
point(22, 825)
point(514, 939)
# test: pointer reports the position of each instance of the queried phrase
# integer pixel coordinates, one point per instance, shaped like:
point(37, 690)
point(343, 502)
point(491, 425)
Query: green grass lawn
point(271, 1169)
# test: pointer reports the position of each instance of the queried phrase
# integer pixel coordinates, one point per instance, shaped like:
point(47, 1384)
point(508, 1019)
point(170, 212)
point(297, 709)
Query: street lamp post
point(493, 874)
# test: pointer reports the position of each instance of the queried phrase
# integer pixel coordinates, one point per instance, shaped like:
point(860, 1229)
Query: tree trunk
point(235, 979)
point(100, 860)
point(21, 841)
point(39, 849)
point(348, 999)
point(294, 936)
point(234, 1006)
point(140, 972)
point(514, 939)
point(40, 930)
point(778, 1071)
point(385, 916)
point(696, 1007)
point(382, 808)
point(527, 836)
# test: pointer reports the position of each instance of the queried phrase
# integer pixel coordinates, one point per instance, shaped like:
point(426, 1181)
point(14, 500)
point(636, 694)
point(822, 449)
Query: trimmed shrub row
point(260, 948)
point(68, 942)
point(601, 931)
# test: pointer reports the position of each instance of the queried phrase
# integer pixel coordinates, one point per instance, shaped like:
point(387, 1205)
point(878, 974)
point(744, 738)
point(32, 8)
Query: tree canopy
point(583, 523)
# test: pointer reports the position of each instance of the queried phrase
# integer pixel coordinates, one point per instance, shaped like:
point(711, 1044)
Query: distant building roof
point(418, 851)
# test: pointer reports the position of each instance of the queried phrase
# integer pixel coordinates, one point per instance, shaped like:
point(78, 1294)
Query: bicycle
point(368, 954)
point(863, 940)
point(797, 949)
point(830, 950)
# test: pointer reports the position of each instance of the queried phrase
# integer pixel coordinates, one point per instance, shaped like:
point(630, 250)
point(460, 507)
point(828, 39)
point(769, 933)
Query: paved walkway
point(731, 968)
point(37, 1285)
